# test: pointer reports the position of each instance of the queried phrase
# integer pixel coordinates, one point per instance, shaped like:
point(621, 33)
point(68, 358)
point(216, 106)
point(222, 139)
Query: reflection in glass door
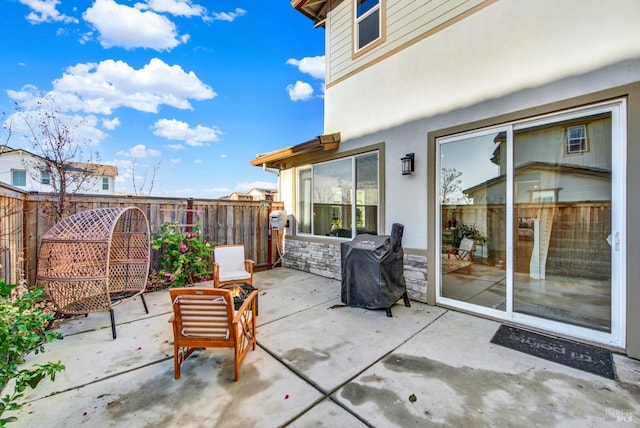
point(562, 214)
point(529, 222)
point(472, 220)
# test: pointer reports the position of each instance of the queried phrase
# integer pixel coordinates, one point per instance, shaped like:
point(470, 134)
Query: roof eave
point(315, 10)
point(324, 143)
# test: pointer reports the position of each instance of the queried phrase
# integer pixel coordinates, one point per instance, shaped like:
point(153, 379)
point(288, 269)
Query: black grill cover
point(372, 270)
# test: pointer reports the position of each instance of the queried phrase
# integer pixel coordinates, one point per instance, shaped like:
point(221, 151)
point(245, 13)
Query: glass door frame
point(617, 336)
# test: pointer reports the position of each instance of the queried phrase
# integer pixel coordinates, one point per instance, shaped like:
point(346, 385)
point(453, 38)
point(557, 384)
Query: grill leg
point(406, 300)
point(144, 303)
point(113, 323)
point(389, 312)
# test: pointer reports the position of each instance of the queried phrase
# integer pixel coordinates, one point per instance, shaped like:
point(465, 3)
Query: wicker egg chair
point(96, 260)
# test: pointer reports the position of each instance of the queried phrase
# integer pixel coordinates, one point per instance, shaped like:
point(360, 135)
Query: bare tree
point(61, 158)
point(451, 187)
point(139, 189)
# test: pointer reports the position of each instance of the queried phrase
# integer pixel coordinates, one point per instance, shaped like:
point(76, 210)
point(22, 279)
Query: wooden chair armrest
point(216, 274)
point(249, 302)
point(248, 265)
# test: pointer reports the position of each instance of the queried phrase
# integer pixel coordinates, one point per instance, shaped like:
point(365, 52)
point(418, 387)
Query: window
point(105, 183)
point(576, 139)
point(45, 177)
point(367, 22)
point(326, 193)
point(19, 177)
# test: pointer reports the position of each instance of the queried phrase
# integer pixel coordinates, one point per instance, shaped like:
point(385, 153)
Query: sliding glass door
point(530, 217)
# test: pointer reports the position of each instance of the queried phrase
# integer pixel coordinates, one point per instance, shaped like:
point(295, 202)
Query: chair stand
point(113, 320)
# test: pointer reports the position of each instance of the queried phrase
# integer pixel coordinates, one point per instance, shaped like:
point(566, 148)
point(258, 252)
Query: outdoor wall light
point(408, 165)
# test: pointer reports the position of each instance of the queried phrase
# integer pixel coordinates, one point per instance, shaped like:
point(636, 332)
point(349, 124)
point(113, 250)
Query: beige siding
point(405, 22)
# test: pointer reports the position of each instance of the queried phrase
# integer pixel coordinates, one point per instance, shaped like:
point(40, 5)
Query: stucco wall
point(503, 48)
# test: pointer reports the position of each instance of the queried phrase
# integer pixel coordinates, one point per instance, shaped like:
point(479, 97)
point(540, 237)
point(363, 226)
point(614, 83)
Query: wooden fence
point(578, 236)
point(12, 255)
point(221, 221)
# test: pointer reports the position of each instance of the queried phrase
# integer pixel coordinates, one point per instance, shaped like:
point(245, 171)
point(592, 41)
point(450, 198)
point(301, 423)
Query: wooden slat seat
point(205, 318)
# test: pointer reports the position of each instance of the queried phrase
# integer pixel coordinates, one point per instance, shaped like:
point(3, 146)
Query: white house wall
point(16, 161)
point(509, 56)
point(286, 181)
point(404, 21)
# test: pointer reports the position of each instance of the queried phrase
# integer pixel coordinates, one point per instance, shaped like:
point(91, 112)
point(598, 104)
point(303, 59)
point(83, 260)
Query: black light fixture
point(408, 164)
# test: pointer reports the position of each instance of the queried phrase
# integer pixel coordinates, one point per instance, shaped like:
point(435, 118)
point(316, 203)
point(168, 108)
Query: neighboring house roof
point(544, 166)
point(323, 142)
point(95, 168)
point(251, 194)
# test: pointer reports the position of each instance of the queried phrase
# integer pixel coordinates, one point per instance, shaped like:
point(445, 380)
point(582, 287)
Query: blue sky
point(200, 87)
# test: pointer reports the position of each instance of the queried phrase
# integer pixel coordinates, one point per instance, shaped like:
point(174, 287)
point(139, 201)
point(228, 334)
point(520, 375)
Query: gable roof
point(313, 9)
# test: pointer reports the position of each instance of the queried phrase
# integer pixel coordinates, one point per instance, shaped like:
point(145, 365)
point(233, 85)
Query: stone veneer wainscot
point(323, 259)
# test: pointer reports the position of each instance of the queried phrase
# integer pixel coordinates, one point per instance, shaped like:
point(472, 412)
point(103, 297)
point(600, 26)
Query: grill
point(373, 272)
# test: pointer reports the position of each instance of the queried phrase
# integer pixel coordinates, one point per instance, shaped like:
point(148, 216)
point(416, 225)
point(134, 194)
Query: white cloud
point(173, 129)
point(228, 16)
point(45, 11)
point(82, 129)
point(125, 170)
point(111, 123)
point(175, 161)
point(144, 173)
point(128, 27)
point(197, 161)
point(174, 146)
point(245, 186)
point(139, 151)
point(105, 86)
point(223, 156)
point(301, 91)
point(311, 65)
point(174, 7)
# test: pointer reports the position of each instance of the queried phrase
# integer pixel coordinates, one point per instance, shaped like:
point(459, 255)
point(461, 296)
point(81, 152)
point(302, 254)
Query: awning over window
point(322, 143)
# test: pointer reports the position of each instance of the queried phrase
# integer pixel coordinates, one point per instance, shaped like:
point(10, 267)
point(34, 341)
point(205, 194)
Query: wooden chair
point(463, 256)
point(465, 250)
point(205, 318)
point(230, 265)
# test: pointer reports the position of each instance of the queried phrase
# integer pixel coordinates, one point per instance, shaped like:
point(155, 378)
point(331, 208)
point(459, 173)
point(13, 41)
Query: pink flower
point(199, 213)
point(183, 247)
point(187, 234)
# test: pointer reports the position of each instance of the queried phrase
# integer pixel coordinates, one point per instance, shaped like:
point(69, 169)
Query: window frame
point(582, 144)
point(309, 207)
point(105, 183)
point(357, 20)
point(13, 177)
point(45, 178)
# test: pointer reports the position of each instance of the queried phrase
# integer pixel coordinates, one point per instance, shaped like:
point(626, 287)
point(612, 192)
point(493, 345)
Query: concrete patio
point(319, 364)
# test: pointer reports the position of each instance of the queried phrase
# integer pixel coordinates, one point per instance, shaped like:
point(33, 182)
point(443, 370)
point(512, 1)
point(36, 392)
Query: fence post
point(189, 214)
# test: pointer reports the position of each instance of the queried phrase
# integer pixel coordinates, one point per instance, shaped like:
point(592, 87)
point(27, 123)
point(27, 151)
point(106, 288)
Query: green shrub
point(466, 231)
point(185, 258)
point(22, 330)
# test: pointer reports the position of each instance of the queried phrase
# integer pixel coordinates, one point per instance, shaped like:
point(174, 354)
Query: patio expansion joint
point(108, 327)
point(111, 376)
point(329, 394)
point(298, 312)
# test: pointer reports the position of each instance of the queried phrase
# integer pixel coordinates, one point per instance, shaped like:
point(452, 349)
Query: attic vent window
point(367, 23)
point(577, 139)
